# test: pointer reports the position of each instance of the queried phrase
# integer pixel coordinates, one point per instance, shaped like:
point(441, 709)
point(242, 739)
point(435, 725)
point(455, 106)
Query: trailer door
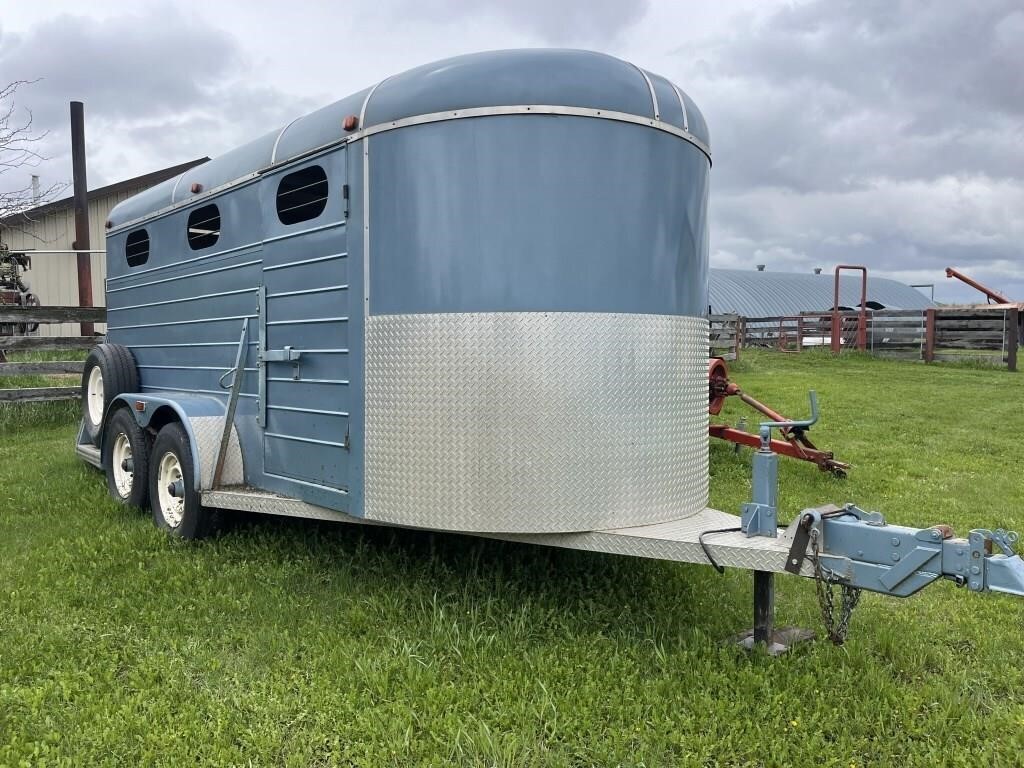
point(303, 342)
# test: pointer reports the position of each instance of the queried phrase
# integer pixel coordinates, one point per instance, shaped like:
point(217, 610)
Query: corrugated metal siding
point(54, 276)
point(773, 294)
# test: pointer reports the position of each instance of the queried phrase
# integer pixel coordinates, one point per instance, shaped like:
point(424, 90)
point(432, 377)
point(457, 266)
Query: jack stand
point(775, 642)
point(759, 519)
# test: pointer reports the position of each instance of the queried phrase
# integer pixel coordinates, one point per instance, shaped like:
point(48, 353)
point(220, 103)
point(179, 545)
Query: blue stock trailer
point(472, 298)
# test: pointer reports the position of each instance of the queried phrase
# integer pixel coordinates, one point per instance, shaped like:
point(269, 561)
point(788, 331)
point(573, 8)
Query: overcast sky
point(880, 132)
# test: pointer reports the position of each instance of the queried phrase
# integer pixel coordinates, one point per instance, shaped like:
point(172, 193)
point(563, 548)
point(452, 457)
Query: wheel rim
point(94, 396)
point(172, 508)
point(120, 453)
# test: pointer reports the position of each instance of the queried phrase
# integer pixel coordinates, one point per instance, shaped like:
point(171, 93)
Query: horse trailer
point(472, 297)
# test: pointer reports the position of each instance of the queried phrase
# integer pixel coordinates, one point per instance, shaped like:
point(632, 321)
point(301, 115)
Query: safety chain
point(825, 583)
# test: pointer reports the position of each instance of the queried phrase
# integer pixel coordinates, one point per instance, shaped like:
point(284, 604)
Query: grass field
point(293, 643)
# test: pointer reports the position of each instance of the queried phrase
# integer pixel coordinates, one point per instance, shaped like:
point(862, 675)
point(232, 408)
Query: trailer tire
point(172, 493)
point(125, 441)
point(109, 371)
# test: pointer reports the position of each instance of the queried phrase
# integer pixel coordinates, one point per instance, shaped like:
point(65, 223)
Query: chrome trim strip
point(290, 380)
point(515, 109)
point(170, 208)
point(205, 256)
point(287, 235)
point(682, 106)
point(322, 289)
point(366, 196)
point(315, 259)
point(190, 274)
point(273, 152)
point(366, 225)
point(317, 411)
point(193, 344)
point(182, 300)
point(538, 109)
point(179, 322)
point(309, 321)
point(196, 391)
point(650, 87)
point(189, 367)
point(174, 189)
point(332, 489)
point(366, 101)
point(261, 349)
point(297, 439)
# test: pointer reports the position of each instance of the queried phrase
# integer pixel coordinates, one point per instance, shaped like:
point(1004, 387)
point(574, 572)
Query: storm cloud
point(156, 83)
point(884, 133)
point(889, 134)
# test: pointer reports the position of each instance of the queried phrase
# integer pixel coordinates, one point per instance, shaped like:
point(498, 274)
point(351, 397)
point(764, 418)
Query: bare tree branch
point(18, 150)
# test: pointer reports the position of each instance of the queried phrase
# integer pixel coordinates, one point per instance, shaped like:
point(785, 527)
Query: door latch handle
point(286, 355)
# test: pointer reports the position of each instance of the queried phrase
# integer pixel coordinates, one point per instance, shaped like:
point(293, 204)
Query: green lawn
point(295, 643)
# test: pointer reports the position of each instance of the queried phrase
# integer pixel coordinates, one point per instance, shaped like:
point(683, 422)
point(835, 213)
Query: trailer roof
point(550, 77)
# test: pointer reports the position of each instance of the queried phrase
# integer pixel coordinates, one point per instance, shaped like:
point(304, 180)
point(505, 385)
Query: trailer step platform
point(678, 540)
point(90, 454)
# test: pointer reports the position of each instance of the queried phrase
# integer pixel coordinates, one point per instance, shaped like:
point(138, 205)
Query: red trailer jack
point(794, 442)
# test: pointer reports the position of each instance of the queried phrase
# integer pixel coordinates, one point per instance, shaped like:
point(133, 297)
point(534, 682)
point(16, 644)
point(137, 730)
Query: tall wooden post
point(1012, 337)
point(81, 192)
point(929, 335)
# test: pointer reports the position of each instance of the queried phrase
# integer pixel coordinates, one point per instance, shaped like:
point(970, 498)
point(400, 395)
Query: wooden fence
point(43, 315)
point(989, 334)
point(726, 332)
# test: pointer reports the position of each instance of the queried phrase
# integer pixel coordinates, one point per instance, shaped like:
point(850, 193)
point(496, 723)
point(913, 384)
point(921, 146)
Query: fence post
point(81, 198)
point(1012, 337)
point(929, 336)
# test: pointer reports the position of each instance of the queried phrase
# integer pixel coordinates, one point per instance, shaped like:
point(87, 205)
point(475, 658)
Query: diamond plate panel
point(208, 431)
point(535, 422)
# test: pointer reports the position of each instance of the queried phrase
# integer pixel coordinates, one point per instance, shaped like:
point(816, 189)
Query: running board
point(90, 454)
point(265, 503)
point(85, 450)
point(678, 540)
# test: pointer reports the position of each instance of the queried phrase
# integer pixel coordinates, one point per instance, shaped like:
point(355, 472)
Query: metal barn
point(51, 227)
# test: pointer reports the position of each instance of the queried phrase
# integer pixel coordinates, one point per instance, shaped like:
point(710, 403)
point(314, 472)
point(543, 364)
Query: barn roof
point(537, 77)
point(137, 182)
point(773, 294)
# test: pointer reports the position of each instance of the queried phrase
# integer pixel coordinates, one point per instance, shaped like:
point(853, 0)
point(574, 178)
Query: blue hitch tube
point(851, 546)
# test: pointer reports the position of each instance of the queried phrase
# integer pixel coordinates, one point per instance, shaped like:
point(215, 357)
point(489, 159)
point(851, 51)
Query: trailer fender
point(203, 420)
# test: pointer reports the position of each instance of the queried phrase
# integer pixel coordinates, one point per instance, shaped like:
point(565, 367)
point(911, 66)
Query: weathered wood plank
point(901, 313)
point(944, 337)
point(11, 314)
point(39, 394)
point(43, 368)
point(49, 342)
